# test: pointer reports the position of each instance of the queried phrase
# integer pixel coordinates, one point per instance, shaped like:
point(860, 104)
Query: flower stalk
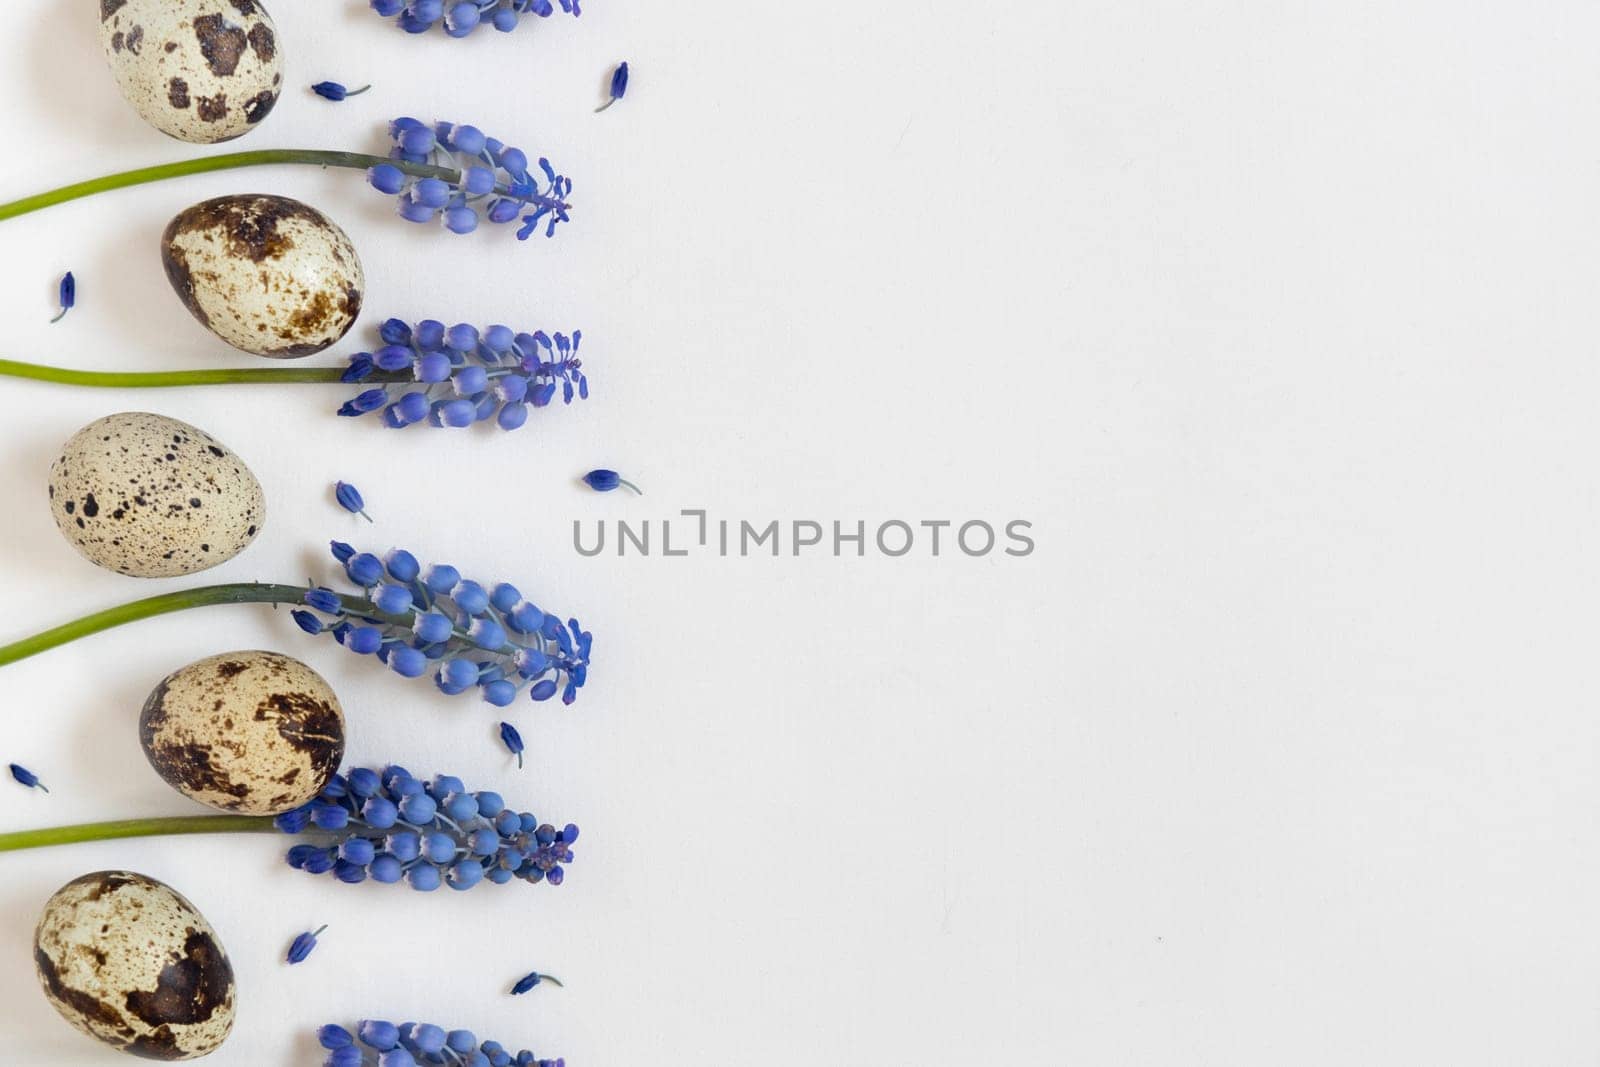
point(124, 828)
point(11, 368)
point(162, 604)
point(225, 161)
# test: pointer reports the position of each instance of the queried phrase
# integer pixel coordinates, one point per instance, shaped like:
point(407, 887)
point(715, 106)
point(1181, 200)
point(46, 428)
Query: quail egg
point(267, 274)
point(152, 497)
point(200, 70)
point(253, 732)
point(127, 960)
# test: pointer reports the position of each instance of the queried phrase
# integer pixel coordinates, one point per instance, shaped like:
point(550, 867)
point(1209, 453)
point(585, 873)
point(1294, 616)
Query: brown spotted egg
point(252, 732)
point(152, 497)
point(127, 960)
point(267, 274)
point(200, 70)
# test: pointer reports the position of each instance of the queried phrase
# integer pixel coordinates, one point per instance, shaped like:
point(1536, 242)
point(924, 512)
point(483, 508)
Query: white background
point(1276, 320)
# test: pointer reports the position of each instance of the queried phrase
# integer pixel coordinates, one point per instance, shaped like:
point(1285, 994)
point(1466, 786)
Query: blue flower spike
point(385, 825)
point(27, 777)
point(479, 179)
point(459, 18)
point(67, 294)
point(460, 375)
point(528, 981)
point(349, 498)
point(604, 481)
point(302, 945)
point(513, 741)
point(336, 92)
point(619, 86)
point(419, 620)
point(375, 1041)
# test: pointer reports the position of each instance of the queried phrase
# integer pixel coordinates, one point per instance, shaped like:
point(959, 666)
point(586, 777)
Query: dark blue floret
point(619, 85)
point(302, 945)
point(26, 777)
point(528, 981)
point(512, 740)
point(335, 91)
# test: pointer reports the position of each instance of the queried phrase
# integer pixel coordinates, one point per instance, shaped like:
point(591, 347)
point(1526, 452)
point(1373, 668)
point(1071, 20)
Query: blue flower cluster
point(410, 1044)
point(461, 17)
point(459, 375)
point(389, 826)
point(417, 620)
point(478, 177)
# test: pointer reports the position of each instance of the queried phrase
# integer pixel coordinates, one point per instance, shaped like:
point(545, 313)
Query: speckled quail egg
point(152, 497)
point(267, 274)
point(201, 70)
point(127, 960)
point(252, 732)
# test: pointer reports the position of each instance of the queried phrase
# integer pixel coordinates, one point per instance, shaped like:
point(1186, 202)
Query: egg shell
point(152, 497)
point(252, 732)
point(267, 274)
point(200, 70)
point(127, 960)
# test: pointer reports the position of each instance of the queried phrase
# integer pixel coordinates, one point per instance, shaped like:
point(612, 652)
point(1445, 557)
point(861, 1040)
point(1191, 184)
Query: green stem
point(165, 603)
point(225, 161)
point(237, 593)
point(107, 831)
point(11, 368)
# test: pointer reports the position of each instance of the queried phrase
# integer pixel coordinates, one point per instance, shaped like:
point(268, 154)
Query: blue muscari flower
point(603, 481)
point(27, 777)
point(417, 619)
point(480, 178)
point(349, 498)
point(528, 981)
point(67, 294)
point(460, 17)
point(375, 1041)
point(335, 91)
point(512, 740)
point(392, 827)
point(460, 375)
point(619, 85)
point(302, 945)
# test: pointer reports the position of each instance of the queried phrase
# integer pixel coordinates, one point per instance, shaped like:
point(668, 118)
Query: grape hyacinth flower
point(528, 981)
point(426, 373)
point(336, 92)
point(619, 86)
point(420, 621)
point(67, 295)
point(387, 825)
point(492, 180)
point(457, 376)
point(461, 17)
point(415, 620)
point(349, 498)
point(302, 945)
point(453, 174)
point(26, 777)
point(604, 481)
point(376, 1043)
